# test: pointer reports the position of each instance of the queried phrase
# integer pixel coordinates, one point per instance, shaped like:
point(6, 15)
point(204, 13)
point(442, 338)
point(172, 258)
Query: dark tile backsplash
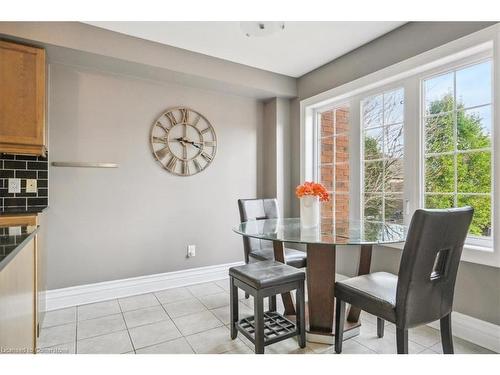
point(23, 167)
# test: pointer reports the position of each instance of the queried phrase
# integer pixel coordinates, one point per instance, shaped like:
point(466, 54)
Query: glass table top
point(352, 232)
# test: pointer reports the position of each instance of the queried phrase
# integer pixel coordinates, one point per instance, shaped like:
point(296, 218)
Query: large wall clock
point(183, 141)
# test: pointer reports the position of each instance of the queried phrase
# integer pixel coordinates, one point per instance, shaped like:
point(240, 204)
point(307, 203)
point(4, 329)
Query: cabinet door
point(17, 302)
point(22, 99)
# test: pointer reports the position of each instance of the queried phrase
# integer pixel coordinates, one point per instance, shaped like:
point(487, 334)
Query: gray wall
point(269, 162)
point(283, 150)
point(79, 43)
point(406, 41)
point(276, 163)
point(106, 224)
point(477, 289)
point(106, 89)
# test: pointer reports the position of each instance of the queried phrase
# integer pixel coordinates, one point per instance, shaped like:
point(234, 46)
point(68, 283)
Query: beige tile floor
point(195, 319)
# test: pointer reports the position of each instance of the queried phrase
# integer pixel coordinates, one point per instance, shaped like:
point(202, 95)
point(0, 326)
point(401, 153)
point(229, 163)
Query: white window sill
point(472, 254)
point(398, 245)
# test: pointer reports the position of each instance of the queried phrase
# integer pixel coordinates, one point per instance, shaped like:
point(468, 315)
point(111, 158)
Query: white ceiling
point(300, 48)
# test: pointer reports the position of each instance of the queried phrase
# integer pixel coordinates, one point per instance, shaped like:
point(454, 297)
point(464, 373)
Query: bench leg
point(233, 309)
point(272, 303)
point(258, 307)
point(301, 312)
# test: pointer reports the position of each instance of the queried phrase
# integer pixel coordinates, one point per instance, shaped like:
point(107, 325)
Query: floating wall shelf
point(78, 164)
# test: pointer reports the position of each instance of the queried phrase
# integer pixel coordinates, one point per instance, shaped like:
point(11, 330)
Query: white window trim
point(463, 48)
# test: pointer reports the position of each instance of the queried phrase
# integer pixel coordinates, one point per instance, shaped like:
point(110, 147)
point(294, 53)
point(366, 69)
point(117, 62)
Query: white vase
point(309, 211)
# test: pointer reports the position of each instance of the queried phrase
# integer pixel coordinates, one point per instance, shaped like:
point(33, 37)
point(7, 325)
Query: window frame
point(410, 71)
point(478, 243)
point(404, 194)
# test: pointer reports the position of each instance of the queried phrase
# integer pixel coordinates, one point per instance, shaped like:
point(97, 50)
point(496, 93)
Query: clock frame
point(183, 141)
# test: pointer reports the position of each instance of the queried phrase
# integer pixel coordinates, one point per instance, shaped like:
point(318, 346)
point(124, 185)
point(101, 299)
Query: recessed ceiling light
point(261, 28)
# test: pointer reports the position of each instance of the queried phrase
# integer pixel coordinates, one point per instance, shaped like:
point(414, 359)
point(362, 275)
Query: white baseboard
point(477, 331)
point(78, 295)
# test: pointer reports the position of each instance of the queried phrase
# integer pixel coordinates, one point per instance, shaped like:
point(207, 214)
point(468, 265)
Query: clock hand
point(180, 139)
point(195, 144)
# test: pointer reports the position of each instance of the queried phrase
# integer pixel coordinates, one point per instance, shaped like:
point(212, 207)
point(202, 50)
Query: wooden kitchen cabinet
point(23, 289)
point(22, 99)
point(18, 303)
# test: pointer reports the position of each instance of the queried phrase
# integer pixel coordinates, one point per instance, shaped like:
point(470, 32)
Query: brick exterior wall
point(334, 167)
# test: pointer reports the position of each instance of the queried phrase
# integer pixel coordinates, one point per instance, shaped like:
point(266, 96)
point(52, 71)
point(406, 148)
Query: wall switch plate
point(31, 186)
point(191, 251)
point(14, 185)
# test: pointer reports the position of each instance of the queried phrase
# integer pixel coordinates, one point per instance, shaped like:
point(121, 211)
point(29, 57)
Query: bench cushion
point(265, 274)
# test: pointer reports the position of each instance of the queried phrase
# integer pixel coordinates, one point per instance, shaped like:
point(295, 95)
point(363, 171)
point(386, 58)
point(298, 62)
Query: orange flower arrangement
point(314, 189)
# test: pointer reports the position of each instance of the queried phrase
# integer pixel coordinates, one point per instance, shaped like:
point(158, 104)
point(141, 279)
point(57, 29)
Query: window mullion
point(455, 140)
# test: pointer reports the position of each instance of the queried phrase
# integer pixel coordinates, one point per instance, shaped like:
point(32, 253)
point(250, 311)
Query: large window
point(382, 123)
point(457, 127)
point(423, 133)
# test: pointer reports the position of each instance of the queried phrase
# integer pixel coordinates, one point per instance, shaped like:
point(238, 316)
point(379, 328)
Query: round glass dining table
point(321, 244)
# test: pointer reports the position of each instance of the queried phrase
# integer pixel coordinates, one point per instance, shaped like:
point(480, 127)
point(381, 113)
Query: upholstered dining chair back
point(257, 209)
point(429, 265)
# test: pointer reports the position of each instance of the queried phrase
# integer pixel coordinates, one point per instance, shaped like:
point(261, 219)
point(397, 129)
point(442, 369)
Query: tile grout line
point(102, 334)
point(166, 312)
point(126, 326)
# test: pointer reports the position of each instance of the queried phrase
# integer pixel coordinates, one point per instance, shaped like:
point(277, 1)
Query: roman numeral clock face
point(183, 141)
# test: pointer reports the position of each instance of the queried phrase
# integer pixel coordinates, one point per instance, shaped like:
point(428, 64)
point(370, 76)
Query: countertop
point(21, 210)
point(12, 240)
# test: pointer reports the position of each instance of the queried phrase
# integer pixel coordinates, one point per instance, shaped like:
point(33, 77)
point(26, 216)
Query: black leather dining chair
point(423, 290)
point(256, 249)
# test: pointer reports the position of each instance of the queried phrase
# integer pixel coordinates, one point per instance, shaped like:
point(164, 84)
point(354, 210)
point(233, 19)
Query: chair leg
point(272, 303)
point(258, 307)
point(446, 336)
point(339, 324)
point(380, 327)
point(233, 307)
point(301, 315)
point(402, 340)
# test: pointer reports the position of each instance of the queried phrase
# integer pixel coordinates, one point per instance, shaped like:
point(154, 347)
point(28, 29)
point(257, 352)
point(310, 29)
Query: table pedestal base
point(321, 291)
point(329, 339)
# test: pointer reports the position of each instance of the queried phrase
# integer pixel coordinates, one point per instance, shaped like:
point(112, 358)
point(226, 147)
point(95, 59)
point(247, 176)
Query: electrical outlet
point(14, 185)
point(191, 251)
point(31, 186)
point(14, 231)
